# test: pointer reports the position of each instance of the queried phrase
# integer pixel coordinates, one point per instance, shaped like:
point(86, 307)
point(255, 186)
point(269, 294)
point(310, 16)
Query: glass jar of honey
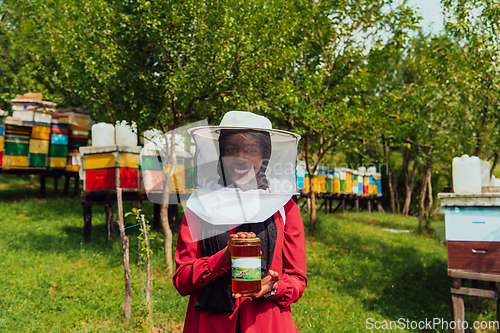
point(246, 263)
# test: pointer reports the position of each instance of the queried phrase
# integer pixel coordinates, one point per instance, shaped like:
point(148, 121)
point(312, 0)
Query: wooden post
point(475, 299)
point(147, 287)
point(87, 222)
point(56, 181)
point(369, 203)
point(458, 305)
point(379, 207)
point(325, 202)
point(66, 185)
point(109, 219)
point(498, 306)
point(127, 306)
point(76, 189)
point(42, 187)
point(356, 204)
point(343, 204)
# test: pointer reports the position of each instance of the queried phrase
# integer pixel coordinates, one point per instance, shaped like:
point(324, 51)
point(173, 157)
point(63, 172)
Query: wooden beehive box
point(152, 172)
point(472, 228)
point(111, 167)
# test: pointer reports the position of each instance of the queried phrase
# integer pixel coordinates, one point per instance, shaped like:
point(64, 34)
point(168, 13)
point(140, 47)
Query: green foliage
point(156, 62)
point(474, 27)
point(136, 212)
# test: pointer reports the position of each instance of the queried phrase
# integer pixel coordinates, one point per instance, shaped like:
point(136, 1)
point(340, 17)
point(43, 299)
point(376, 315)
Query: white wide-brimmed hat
point(242, 120)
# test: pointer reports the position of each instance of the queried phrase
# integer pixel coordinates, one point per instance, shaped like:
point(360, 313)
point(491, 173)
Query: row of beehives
point(133, 168)
point(39, 136)
point(116, 161)
point(361, 182)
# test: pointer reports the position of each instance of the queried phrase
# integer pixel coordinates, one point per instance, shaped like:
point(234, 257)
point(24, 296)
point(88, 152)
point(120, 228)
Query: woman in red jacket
point(247, 194)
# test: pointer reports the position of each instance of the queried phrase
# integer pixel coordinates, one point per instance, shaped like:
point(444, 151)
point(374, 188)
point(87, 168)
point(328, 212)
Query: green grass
point(357, 268)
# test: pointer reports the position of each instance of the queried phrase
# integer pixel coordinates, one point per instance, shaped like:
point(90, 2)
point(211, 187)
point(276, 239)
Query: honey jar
point(246, 263)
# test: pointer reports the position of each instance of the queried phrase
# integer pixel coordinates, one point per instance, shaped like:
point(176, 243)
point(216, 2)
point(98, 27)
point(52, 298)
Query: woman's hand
point(269, 283)
point(229, 249)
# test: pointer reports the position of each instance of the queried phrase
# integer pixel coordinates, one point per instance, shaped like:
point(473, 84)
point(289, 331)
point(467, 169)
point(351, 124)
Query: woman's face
point(242, 157)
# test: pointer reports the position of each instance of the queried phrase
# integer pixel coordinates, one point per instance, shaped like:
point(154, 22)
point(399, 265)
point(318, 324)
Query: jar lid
point(246, 240)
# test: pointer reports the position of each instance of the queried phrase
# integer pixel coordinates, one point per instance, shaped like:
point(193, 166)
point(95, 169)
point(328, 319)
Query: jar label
point(246, 269)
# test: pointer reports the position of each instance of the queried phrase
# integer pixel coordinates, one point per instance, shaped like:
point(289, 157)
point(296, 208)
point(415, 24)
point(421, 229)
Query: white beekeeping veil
point(245, 170)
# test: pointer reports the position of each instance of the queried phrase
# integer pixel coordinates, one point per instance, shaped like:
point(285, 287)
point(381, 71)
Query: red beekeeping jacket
point(256, 315)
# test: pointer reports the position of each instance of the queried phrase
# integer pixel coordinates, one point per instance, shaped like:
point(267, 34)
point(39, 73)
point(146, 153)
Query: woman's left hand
point(269, 283)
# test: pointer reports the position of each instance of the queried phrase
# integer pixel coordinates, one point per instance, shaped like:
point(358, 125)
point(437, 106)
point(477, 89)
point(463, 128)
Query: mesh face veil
point(243, 174)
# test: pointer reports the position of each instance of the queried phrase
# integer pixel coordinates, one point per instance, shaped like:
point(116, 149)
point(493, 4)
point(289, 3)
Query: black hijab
point(216, 297)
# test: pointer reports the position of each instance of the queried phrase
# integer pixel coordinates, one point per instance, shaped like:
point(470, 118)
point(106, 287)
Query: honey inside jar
point(246, 265)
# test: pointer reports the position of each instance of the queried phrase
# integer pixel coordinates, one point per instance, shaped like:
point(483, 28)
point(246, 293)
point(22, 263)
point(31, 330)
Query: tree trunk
point(170, 168)
point(390, 176)
point(396, 194)
point(431, 202)
point(409, 184)
point(127, 306)
point(147, 287)
point(423, 192)
point(312, 195)
point(495, 161)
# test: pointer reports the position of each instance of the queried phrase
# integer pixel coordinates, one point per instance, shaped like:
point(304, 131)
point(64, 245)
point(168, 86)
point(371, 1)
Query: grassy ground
point(358, 268)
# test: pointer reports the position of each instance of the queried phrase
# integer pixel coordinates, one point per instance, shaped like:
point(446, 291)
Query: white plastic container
point(103, 135)
point(467, 174)
point(494, 181)
point(485, 173)
point(125, 135)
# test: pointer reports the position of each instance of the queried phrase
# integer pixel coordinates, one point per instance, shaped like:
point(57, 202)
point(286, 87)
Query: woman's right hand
point(229, 249)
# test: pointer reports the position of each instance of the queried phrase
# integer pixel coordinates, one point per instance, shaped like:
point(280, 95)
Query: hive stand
point(344, 199)
point(107, 198)
point(458, 292)
point(44, 173)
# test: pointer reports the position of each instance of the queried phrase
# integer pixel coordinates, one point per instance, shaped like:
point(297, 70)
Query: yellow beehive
point(128, 160)
point(306, 183)
point(348, 181)
point(72, 167)
point(321, 181)
point(15, 162)
point(37, 146)
point(107, 160)
point(99, 161)
point(336, 181)
point(40, 132)
point(58, 162)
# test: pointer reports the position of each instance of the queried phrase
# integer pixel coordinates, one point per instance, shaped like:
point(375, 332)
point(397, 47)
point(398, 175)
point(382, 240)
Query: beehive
point(110, 167)
point(16, 144)
point(153, 173)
